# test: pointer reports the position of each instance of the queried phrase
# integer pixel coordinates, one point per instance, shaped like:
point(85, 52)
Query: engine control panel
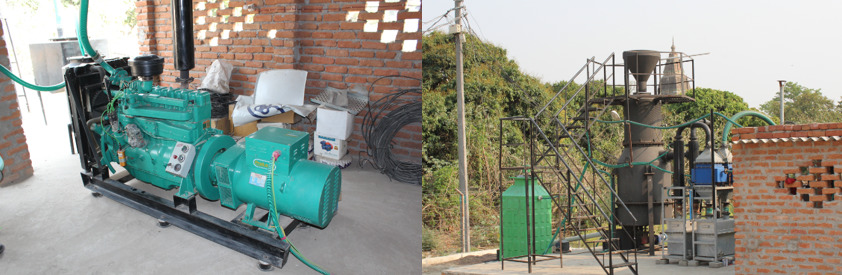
point(181, 159)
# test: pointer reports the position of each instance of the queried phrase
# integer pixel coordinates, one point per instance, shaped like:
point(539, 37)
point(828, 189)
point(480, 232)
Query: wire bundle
point(379, 131)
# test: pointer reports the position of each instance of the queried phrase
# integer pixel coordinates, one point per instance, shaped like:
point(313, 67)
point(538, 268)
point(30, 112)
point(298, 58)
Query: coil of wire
point(379, 131)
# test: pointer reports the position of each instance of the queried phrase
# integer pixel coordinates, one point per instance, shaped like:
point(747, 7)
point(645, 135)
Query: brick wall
point(324, 37)
point(786, 199)
point(13, 147)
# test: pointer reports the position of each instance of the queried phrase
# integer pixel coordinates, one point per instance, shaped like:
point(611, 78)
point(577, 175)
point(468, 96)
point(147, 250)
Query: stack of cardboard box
point(225, 124)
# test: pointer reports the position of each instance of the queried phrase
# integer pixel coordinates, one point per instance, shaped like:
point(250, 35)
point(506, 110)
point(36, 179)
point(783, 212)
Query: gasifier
point(162, 136)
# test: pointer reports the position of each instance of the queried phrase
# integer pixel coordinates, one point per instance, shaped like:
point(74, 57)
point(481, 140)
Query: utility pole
point(781, 83)
point(456, 29)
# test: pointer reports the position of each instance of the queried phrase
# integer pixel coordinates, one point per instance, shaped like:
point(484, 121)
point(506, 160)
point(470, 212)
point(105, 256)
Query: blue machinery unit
point(700, 228)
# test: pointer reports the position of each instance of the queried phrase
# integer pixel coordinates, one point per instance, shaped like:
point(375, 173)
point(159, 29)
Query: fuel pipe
point(692, 152)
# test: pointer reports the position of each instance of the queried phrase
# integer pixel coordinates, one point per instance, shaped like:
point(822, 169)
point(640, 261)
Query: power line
point(437, 19)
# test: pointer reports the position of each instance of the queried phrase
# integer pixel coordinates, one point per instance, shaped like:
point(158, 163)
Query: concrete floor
point(581, 262)
point(51, 224)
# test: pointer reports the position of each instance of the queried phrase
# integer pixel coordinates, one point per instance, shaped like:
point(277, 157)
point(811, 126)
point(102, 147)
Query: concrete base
point(716, 264)
point(581, 262)
point(50, 223)
point(683, 262)
point(662, 261)
point(693, 263)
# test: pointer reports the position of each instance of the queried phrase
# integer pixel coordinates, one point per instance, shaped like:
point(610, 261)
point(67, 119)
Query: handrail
point(590, 78)
point(544, 136)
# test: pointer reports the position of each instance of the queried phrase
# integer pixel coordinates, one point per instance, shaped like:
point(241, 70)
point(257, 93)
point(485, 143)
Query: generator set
point(162, 136)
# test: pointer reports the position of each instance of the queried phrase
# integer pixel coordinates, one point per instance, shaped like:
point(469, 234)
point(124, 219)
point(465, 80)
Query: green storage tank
point(514, 243)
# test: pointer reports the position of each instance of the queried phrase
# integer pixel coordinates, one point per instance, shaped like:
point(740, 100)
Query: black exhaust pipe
point(183, 48)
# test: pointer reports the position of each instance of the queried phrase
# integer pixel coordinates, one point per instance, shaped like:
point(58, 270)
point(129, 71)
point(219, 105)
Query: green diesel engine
point(162, 136)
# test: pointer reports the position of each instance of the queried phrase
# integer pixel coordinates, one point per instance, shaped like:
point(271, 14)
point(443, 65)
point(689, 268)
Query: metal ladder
point(555, 149)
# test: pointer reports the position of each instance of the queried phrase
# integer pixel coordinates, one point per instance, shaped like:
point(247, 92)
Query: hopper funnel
point(641, 64)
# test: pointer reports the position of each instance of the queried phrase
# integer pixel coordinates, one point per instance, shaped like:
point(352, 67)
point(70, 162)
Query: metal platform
point(253, 242)
point(621, 100)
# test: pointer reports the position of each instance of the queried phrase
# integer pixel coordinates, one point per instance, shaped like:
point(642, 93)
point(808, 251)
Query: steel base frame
point(257, 243)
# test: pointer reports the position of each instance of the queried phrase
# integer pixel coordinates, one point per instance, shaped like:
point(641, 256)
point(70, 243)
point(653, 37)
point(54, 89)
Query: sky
point(752, 44)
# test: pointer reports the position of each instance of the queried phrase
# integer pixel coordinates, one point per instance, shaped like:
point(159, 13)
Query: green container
point(513, 228)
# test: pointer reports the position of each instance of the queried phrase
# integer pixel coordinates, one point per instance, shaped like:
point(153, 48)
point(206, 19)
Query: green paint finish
point(305, 190)
point(164, 116)
point(514, 228)
point(235, 174)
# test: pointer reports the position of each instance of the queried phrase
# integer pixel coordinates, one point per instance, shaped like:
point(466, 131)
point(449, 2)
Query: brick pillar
point(13, 147)
point(787, 199)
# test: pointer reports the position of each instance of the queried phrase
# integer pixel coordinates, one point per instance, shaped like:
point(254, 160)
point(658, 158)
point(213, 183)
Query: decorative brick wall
point(324, 37)
point(787, 199)
point(13, 147)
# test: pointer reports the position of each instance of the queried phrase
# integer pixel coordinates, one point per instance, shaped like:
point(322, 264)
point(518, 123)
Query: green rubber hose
point(739, 115)
point(83, 38)
point(273, 218)
point(30, 85)
point(84, 46)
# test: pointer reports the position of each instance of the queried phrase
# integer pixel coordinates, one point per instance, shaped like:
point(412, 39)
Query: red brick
point(819, 170)
point(818, 197)
point(830, 177)
point(827, 191)
point(820, 184)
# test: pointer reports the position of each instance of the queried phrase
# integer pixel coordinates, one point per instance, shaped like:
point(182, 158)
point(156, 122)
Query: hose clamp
point(97, 57)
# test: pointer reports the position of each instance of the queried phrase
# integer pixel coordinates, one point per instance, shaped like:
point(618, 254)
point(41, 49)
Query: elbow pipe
point(697, 124)
point(727, 130)
point(693, 147)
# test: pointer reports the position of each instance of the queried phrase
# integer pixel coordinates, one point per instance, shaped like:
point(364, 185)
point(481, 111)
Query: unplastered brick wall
point(13, 146)
point(787, 199)
point(340, 43)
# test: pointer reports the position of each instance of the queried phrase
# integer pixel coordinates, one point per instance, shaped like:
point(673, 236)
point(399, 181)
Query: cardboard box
point(329, 147)
point(245, 129)
point(242, 130)
point(223, 124)
point(261, 125)
point(334, 123)
point(288, 117)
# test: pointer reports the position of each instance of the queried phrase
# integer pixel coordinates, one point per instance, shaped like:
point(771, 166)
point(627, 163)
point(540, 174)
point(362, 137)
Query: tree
point(724, 102)
point(804, 105)
point(494, 88)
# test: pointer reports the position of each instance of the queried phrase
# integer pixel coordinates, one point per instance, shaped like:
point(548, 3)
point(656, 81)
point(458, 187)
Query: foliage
point(707, 99)
point(129, 18)
point(429, 240)
point(803, 105)
point(71, 3)
point(494, 88)
point(31, 6)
